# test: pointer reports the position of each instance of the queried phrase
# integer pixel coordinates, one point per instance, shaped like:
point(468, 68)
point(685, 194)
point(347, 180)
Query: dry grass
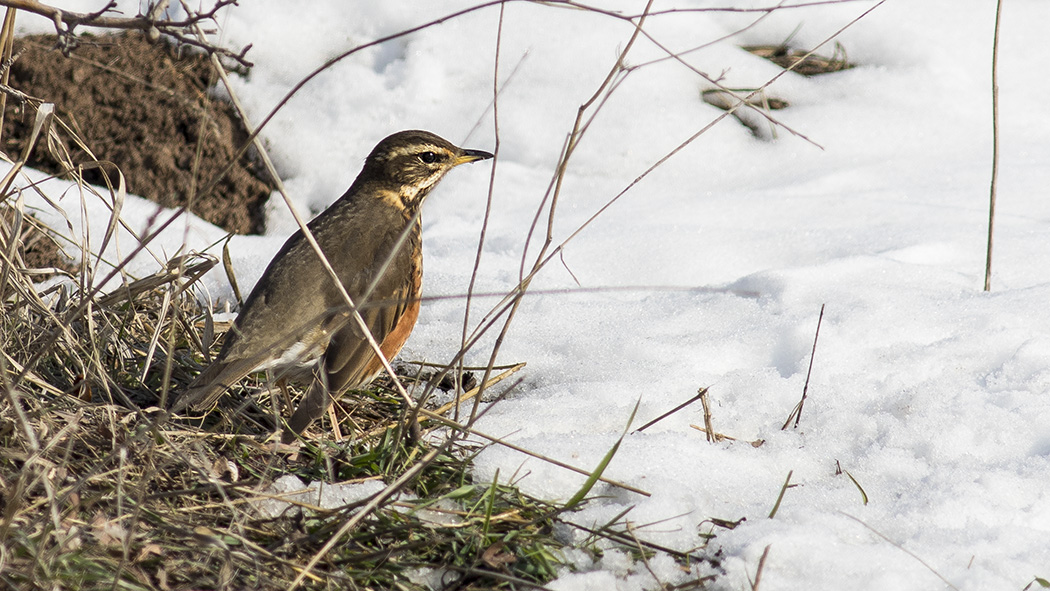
point(104, 490)
point(802, 61)
point(101, 488)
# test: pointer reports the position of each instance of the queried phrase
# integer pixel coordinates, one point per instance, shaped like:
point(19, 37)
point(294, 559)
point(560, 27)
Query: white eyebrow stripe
point(415, 149)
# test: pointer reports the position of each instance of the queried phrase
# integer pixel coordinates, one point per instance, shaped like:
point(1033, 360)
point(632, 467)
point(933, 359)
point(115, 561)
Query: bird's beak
point(471, 156)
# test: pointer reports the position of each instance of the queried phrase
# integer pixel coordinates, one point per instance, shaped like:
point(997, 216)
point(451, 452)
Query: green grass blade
point(597, 473)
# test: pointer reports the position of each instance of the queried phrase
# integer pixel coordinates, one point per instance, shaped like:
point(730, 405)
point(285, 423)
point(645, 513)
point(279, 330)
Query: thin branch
point(709, 428)
point(579, 128)
point(325, 66)
point(497, 440)
point(669, 11)
point(699, 395)
point(372, 505)
point(995, 146)
point(796, 413)
point(181, 30)
point(509, 304)
point(761, 567)
point(486, 217)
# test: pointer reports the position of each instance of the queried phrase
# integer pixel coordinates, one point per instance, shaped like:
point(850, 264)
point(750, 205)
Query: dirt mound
point(146, 108)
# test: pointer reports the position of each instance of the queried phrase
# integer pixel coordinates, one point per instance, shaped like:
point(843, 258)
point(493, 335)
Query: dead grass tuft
point(802, 61)
point(102, 489)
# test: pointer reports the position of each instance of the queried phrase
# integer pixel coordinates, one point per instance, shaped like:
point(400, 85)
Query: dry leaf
point(147, 551)
point(108, 533)
point(495, 557)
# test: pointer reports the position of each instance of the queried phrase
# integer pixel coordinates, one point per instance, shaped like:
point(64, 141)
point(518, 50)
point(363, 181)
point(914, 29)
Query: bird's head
point(414, 161)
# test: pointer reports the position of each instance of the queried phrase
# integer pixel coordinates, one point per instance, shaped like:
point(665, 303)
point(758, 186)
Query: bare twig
point(455, 403)
point(630, 541)
point(699, 395)
point(995, 146)
point(181, 30)
point(325, 66)
point(761, 566)
point(604, 90)
point(724, 437)
point(376, 501)
point(796, 413)
point(488, 213)
point(760, 9)
point(549, 460)
point(709, 428)
point(645, 559)
point(549, 202)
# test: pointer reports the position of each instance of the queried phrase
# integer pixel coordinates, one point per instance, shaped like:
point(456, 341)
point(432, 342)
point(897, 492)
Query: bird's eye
point(428, 157)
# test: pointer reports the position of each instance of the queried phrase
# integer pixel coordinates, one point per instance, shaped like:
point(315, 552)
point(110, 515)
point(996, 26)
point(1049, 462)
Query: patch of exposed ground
point(146, 108)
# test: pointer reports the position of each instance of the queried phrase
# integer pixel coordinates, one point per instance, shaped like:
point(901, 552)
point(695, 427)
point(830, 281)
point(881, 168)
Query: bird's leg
point(311, 407)
point(282, 383)
point(336, 433)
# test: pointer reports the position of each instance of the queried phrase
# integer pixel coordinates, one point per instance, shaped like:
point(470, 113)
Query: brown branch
point(796, 413)
point(180, 30)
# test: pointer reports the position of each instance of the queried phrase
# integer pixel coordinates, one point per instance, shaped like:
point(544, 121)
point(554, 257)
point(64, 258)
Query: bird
point(296, 316)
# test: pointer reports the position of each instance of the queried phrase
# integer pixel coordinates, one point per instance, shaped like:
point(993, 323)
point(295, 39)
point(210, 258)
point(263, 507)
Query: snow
point(289, 494)
point(711, 271)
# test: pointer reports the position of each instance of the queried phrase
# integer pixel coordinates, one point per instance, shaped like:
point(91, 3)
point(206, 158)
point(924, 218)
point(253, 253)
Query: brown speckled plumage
point(295, 312)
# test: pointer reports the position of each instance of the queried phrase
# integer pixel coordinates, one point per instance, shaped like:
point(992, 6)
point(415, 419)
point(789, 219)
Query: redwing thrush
point(296, 312)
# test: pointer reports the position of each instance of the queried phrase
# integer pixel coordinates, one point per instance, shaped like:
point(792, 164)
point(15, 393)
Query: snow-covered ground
point(711, 271)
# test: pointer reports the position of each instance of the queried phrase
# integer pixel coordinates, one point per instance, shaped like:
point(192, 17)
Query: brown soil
point(145, 108)
point(39, 250)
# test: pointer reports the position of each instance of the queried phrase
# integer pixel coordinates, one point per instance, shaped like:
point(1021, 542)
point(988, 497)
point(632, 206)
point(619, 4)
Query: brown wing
point(229, 368)
point(296, 292)
point(350, 361)
point(278, 316)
